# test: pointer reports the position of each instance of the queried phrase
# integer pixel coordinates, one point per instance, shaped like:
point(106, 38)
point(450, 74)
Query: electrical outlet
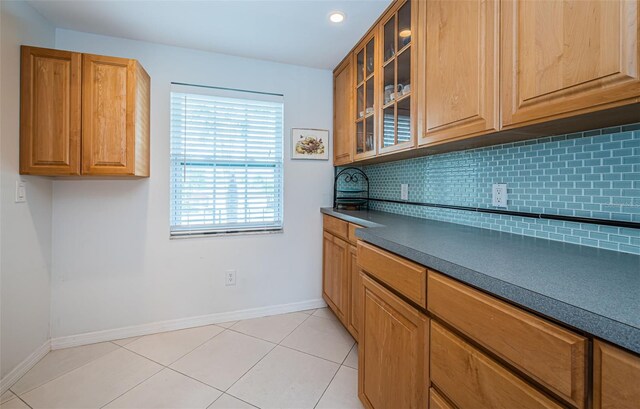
point(21, 192)
point(404, 191)
point(499, 195)
point(230, 278)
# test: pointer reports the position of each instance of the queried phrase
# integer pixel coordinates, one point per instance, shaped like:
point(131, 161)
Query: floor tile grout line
point(252, 336)
point(181, 356)
point(132, 388)
point(235, 397)
point(315, 356)
point(195, 379)
point(223, 330)
point(291, 348)
point(327, 387)
point(265, 355)
point(291, 332)
point(23, 401)
point(62, 374)
point(345, 358)
point(334, 375)
point(247, 371)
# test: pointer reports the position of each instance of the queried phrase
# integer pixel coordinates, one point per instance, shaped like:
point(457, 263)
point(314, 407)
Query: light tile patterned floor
point(298, 360)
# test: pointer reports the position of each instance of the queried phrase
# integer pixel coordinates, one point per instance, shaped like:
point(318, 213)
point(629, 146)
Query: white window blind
point(226, 161)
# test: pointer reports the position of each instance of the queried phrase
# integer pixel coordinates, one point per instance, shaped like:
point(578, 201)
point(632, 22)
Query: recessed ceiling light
point(405, 33)
point(336, 17)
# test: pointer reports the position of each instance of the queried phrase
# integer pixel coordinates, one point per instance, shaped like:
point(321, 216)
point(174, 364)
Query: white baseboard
point(182, 323)
point(24, 366)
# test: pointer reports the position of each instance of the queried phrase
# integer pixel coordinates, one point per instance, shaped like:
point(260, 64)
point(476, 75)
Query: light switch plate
point(21, 192)
point(499, 195)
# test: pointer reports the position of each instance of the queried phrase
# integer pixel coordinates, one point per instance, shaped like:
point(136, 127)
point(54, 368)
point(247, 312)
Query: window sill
point(225, 234)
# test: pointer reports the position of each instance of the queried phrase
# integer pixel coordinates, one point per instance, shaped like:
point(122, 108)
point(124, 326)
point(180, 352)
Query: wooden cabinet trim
point(553, 356)
point(404, 276)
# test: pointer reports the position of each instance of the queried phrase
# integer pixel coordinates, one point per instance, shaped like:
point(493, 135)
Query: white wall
point(25, 228)
point(113, 262)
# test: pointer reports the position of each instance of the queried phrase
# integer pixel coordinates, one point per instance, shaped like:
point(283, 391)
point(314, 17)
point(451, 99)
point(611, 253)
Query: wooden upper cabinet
point(566, 57)
point(50, 112)
point(83, 114)
point(616, 378)
point(115, 117)
point(365, 90)
point(458, 67)
point(343, 124)
point(396, 79)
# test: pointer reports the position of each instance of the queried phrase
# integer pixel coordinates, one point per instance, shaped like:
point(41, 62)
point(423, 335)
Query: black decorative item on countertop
point(351, 189)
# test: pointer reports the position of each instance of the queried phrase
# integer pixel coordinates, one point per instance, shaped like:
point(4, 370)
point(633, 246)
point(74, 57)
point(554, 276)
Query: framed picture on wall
point(309, 144)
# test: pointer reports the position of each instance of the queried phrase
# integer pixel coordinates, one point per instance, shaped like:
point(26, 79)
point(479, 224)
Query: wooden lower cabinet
point(472, 380)
point(393, 351)
point(553, 356)
point(468, 349)
point(616, 378)
point(335, 266)
point(341, 273)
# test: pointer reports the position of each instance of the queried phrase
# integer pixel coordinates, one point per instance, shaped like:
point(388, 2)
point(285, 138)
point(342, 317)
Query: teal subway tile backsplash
point(593, 174)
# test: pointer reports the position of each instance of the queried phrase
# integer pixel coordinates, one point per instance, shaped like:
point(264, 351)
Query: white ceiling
point(288, 31)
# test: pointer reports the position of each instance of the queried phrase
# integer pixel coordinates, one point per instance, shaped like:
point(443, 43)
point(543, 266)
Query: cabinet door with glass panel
point(365, 84)
point(396, 74)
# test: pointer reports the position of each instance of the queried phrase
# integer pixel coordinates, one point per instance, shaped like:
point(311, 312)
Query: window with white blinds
point(226, 161)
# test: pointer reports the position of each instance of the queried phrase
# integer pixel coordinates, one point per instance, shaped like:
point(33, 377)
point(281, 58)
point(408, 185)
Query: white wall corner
point(23, 367)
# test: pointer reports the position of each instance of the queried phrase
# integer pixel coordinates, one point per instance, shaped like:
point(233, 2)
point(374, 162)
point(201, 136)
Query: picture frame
point(310, 144)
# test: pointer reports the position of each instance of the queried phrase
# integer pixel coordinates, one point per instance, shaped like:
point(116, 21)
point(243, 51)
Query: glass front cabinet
point(365, 93)
point(396, 119)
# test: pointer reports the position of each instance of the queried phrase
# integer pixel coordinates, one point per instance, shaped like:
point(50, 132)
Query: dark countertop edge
point(615, 332)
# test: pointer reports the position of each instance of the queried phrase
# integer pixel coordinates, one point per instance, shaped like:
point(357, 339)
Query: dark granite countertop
point(593, 290)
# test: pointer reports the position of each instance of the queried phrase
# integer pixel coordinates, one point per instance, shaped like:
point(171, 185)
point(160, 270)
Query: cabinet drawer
point(352, 233)
point(616, 378)
point(550, 354)
point(437, 402)
point(404, 276)
point(335, 226)
point(472, 380)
